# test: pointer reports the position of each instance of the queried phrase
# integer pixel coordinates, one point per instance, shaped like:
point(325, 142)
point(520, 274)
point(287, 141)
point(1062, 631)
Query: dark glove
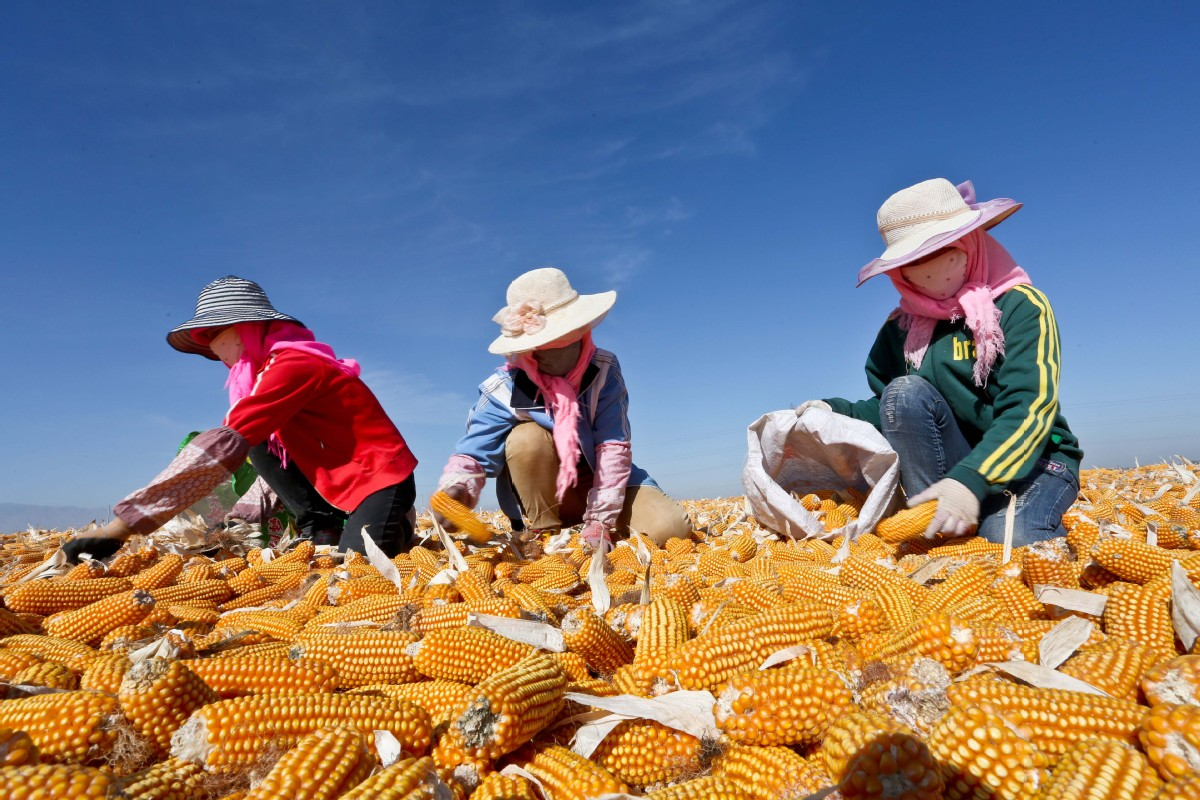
point(96, 546)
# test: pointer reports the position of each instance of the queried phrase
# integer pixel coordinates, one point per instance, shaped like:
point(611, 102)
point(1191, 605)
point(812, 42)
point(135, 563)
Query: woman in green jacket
point(965, 372)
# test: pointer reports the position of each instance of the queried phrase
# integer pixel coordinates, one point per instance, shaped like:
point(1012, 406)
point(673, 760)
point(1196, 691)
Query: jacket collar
point(527, 396)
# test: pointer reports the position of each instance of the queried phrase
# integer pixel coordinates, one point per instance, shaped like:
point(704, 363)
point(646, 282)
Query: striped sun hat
point(224, 302)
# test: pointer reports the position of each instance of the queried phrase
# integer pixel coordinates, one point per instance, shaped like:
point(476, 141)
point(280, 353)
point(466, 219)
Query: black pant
point(385, 512)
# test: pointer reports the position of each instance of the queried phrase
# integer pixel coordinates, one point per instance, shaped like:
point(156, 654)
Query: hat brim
point(181, 339)
point(585, 313)
point(930, 240)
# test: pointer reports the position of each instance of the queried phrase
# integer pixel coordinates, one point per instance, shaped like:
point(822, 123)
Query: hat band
point(905, 222)
point(528, 316)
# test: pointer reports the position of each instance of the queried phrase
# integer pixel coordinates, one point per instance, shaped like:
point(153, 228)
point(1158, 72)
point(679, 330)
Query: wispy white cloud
point(673, 211)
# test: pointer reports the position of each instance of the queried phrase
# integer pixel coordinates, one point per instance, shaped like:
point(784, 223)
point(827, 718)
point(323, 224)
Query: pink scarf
point(991, 272)
point(259, 340)
point(562, 397)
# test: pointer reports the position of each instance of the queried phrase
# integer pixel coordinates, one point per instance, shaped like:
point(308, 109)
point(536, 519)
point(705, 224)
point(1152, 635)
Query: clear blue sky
point(385, 169)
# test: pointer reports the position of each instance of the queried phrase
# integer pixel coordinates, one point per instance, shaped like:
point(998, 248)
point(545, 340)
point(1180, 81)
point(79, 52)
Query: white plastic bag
point(817, 450)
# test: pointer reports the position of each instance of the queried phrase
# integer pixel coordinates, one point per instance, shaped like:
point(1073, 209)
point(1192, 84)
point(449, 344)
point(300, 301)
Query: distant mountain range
point(19, 516)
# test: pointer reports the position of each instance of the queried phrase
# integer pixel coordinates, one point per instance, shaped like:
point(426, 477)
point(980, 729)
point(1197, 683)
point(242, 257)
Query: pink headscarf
point(991, 272)
point(562, 397)
point(259, 340)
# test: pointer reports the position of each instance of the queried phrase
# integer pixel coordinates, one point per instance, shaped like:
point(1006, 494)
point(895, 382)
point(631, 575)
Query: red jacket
point(331, 424)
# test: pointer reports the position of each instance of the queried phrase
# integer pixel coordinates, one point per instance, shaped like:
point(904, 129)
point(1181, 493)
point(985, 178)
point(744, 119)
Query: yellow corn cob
point(407, 779)
point(982, 756)
point(12, 662)
point(938, 636)
point(215, 591)
point(1051, 567)
point(105, 673)
point(232, 734)
point(1133, 561)
point(586, 633)
point(969, 580)
point(896, 605)
point(282, 626)
point(709, 787)
point(454, 615)
point(1018, 598)
point(60, 594)
point(45, 781)
point(627, 680)
point(11, 624)
point(530, 601)
point(77, 727)
point(504, 711)
point(50, 674)
point(362, 657)
point(573, 665)
point(193, 614)
point(75, 655)
point(1141, 614)
point(713, 658)
point(862, 572)
point(791, 705)
point(505, 787)
point(1098, 769)
point(466, 655)
point(770, 772)
point(346, 592)
point(372, 608)
point(643, 753)
point(663, 630)
point(16, 748)
point(873, 756)
point(755, 595)
point(243, 675)
point(132, 562)
point(1185, 788)
point(474, 588)
point(1174, 681)
point(1053, 719)
point(85, 570)
point(278, 651)
point(1114, 666)
point(1170, 737)
point(997, 642)
point(158, 695)
point(93, 622)
point(164, 572)
point(981, 608)
point(440, 698)
point(167, 780)
point(323, 765)
point(284, 588)
point(461, 517)
point(860, 618)
point(569, 776)
point(908, 524)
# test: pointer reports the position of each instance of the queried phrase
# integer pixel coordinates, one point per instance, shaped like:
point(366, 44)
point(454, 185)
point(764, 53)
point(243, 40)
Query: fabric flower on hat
point(525, 318)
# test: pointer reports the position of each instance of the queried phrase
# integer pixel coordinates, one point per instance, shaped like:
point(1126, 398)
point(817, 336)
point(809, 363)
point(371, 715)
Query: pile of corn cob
point(909, 669)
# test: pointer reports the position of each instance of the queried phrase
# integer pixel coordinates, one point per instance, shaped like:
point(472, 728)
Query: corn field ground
point(735, 664)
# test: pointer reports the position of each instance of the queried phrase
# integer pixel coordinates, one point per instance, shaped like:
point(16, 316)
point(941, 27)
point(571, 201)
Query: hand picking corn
point(898, 667)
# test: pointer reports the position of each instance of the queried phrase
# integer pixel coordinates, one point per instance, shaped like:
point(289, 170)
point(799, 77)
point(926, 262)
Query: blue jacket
point(509, 397)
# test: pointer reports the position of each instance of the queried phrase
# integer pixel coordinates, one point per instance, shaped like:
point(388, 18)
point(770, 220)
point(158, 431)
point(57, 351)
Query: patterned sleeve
point(201, 465)
point(256, 505)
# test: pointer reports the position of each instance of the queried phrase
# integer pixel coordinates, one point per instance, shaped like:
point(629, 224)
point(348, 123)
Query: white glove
point(957, 510)
point(807, 404)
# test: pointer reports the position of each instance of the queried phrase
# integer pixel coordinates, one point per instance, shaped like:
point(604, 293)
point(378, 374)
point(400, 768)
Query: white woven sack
point(817, 450)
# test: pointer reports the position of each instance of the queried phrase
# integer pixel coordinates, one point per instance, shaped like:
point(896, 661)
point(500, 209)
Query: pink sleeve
point(465, 472)
point(614, 461)
point(202, 464)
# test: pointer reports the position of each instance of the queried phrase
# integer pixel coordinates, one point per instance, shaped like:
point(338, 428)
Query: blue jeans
point(919, 425)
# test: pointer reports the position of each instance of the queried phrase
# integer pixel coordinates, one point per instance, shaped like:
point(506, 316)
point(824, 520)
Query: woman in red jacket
point(315, 432)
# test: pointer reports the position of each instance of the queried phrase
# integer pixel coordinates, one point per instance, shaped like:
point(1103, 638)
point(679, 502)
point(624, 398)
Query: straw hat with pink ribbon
point(544, 309)
point(924, 218)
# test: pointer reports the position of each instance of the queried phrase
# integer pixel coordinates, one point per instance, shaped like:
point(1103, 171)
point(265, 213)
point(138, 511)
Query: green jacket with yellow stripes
point(1011, 421)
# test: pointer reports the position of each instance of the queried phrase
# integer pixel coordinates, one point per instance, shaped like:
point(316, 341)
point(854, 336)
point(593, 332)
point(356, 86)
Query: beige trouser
point(533, 467)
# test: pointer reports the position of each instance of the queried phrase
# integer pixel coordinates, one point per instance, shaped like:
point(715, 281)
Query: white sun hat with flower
point(542, 309)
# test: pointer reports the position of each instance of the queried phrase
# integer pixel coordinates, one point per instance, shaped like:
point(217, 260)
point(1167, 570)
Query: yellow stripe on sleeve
point(1038, 418)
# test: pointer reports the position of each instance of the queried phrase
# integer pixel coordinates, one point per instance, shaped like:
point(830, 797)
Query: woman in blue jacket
point(552, 424)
